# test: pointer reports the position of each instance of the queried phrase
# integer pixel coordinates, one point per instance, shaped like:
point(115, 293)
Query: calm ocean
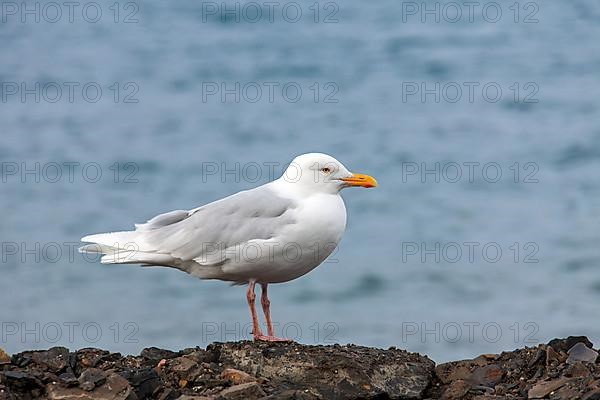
point(479, 122)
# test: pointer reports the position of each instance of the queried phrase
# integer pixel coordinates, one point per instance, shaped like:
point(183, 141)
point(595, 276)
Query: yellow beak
point(361, 180)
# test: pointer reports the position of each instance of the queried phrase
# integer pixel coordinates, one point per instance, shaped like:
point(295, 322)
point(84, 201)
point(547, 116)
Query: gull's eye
point(326, 170)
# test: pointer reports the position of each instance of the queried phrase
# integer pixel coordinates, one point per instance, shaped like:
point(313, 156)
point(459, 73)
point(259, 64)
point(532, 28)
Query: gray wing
point(256, 214)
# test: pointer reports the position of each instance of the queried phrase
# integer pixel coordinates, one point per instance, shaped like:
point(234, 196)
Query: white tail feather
point(123, 248)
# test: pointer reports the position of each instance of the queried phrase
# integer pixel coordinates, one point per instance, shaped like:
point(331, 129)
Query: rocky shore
point(561, 369)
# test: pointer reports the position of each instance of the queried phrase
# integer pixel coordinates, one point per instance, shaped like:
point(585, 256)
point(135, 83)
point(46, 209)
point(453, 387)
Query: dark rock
point(90, 378)
point(565, 344)
point(156, 354)
point(55, 359)
point(243, 391)
point(88, 357)
point(20, 380)
point(167, 394)
point(183, 365)
point(577, 370)
point(456, 390)
point(539, 357)
point(69, 379)
point(144, 381)
point(115, 388)
point(592, 395)
point(21, 359)
point(306, 394)
point(332, 371)
point(277, 371)
point(488, 376)
point(456, 370)
point(551, 356)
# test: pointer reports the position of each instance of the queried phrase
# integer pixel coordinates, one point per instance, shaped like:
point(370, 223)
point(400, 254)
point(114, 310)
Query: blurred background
point(480, 123)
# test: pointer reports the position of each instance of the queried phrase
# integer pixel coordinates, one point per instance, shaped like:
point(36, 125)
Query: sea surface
point(481, 125)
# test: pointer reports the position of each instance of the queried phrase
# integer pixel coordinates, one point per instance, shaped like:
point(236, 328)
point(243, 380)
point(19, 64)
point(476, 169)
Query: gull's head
point(318, 172)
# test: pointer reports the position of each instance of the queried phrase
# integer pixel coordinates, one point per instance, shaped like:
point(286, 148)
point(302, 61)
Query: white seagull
point(270, 234)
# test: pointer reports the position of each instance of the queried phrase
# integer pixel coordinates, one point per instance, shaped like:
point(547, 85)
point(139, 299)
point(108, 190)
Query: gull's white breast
point(320, 221)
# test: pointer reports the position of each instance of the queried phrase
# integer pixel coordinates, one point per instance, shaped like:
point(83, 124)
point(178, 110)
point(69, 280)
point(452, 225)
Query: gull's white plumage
point(272, 233)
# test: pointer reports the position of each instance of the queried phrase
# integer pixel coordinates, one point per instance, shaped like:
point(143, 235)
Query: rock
point(21, 380)
point(592, 395)
point(577, 370)
point(90, 378)
point(543, 389)
point(452, 371)
point(332, 371)
point(4, 358)
point(581, 353)
point(457, 390)
point(55, 359)
point(489, 376)
point(539, 357)
point(243, 391)
point(156, 354)
point(167, 394)
point(565, 344)
point(144, 381)
point(565, 393)
point(183, 365)
point(21, 359)
point(89, 357)
point(275, 371)
point(69, 379)
point(115, 388)
point(306, 394)
point(551, 356)
point(236, 376)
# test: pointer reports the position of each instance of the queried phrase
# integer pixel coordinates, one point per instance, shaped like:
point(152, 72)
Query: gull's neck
point(297, 189)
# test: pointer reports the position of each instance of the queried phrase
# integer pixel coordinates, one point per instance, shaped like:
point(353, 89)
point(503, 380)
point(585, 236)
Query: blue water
point(388, 285)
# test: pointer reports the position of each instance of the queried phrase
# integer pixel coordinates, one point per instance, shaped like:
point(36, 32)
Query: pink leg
point(266, 304)
point(250, 296)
